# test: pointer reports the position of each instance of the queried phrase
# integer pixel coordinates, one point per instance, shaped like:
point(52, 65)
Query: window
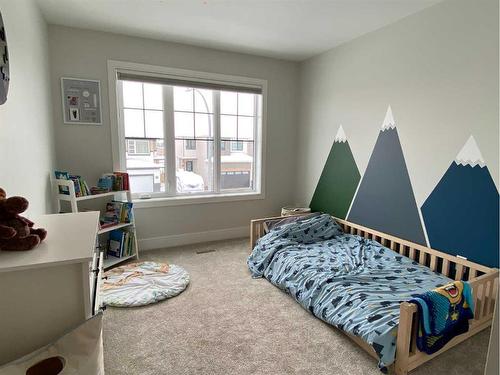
point(191, 136)
point(190, 144)
point(236, 146)
point(137, 147)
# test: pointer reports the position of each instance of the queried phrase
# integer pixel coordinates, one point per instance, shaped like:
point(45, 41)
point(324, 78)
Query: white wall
point(26, 133)
point(86, 150)
point(438, 69)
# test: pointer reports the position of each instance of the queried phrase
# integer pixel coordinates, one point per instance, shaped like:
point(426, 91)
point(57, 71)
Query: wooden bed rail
point(483, 282)
point(454, 267)
point(257, 228)
point(408, 357)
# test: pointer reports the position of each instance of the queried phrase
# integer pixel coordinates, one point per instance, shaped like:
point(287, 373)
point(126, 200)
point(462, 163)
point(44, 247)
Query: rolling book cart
point(73, 199)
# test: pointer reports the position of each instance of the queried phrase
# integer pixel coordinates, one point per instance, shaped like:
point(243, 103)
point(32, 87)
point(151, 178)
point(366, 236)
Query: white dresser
point(47, 291)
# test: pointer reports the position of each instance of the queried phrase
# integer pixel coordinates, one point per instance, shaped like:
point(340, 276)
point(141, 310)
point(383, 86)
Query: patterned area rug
point(143, 283)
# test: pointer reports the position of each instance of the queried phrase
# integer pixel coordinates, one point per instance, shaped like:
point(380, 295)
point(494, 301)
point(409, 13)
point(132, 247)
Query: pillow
point(273, 224)
point(317, 228)
point(78, 352)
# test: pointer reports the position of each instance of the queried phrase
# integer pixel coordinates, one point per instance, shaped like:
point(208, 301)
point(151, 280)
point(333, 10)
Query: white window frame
point(167, 198)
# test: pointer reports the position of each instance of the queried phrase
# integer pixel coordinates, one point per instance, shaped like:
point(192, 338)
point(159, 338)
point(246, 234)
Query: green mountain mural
point(338, 181)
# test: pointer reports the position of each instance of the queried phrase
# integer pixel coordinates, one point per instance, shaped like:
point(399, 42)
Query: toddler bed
point(359, 280)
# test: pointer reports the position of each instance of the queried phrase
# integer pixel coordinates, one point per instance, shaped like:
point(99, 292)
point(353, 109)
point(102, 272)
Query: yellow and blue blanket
point(443, 314)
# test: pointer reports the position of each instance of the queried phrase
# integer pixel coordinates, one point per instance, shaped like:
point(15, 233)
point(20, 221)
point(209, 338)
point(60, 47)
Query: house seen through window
point(189, 140)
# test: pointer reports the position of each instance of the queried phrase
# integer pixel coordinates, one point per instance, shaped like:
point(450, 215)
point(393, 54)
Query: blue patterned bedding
point(348, 281)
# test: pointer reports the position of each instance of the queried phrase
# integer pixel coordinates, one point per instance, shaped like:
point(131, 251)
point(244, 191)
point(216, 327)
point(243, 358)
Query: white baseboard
point(192, 238)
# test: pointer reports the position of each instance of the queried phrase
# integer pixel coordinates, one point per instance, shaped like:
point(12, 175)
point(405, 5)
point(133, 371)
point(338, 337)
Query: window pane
point(145, 165)
point(237, 146)
point(245, 127)
point(132, 94)
point(154, 124)
point(190, 144)
point(142, 147)
point(153, 96)
point(133, 122)
point(246, 104)
point(237, 166)
point(183, 99)
point(228, 127)
point(194, 167)
point(204, 125)
point(228, 103)
point(203, 101)
point(138, 147)
point(184, 125)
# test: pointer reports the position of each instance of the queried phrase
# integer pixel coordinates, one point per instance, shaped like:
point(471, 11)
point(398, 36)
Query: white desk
point(46, 291)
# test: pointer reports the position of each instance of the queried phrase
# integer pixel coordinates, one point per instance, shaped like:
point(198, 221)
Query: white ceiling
point(288, 29)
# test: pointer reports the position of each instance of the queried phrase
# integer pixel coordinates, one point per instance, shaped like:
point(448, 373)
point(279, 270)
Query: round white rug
point(139, 284)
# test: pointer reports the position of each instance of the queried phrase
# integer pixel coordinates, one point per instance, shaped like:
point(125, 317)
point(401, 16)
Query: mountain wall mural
point(338, 181)
point(385, 199)
point(461, 213)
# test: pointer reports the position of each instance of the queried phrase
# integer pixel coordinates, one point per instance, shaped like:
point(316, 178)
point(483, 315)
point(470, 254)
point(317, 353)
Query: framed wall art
point(81, 99)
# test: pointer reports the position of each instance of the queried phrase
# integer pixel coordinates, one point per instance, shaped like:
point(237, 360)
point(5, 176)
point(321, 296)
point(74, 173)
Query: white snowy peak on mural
point(389, 122)
point(470, 154)
point(340, 137)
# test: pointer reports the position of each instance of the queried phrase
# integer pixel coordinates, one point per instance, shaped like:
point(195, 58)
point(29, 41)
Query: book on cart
point(121, 243)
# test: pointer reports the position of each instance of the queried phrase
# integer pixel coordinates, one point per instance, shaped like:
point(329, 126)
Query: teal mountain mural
point(338, 181)
point(461, 213)
point(385, 199)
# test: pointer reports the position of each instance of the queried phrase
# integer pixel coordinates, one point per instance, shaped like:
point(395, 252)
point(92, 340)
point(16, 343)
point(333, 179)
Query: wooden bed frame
point(483, 281)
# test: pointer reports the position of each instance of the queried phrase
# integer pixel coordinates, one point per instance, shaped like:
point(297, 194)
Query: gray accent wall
point(86, 150)
point(438, 69)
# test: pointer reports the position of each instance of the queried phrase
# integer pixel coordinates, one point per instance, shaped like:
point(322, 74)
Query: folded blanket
point(443, 314)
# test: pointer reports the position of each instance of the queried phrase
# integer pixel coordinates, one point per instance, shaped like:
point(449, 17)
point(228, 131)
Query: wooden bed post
point(404, 338)
point(252, 235)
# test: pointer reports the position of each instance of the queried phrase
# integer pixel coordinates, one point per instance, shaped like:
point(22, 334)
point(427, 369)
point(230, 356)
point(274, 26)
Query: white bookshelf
point(122, 195)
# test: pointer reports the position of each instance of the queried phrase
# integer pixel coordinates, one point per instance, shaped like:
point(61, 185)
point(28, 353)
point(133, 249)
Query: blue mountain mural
point(461, 213)
point(385, 199)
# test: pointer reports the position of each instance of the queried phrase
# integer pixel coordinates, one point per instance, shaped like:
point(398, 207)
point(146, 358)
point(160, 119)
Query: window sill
point(183, 200)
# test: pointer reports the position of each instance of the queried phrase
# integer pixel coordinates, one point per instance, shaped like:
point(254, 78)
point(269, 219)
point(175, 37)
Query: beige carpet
point(227, 323)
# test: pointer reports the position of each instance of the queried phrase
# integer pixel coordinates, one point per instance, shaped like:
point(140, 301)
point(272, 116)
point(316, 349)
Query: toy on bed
point(444, 313)
point(17, 232)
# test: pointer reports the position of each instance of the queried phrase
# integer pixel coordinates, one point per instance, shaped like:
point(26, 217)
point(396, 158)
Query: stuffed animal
point(16, 232)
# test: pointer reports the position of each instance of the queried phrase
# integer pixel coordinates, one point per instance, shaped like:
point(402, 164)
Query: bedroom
point(381, 113)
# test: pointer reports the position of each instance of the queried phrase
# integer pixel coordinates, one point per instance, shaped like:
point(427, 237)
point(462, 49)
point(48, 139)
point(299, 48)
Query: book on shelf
point(122, 181)
point(117, 212)
point(121, 243)
point(105, 184)
point(61, 175)
point(116, 181)
point(81, 186)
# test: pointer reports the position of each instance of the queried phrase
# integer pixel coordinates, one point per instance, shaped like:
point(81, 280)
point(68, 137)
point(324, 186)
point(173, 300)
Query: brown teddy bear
point(16, 232)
